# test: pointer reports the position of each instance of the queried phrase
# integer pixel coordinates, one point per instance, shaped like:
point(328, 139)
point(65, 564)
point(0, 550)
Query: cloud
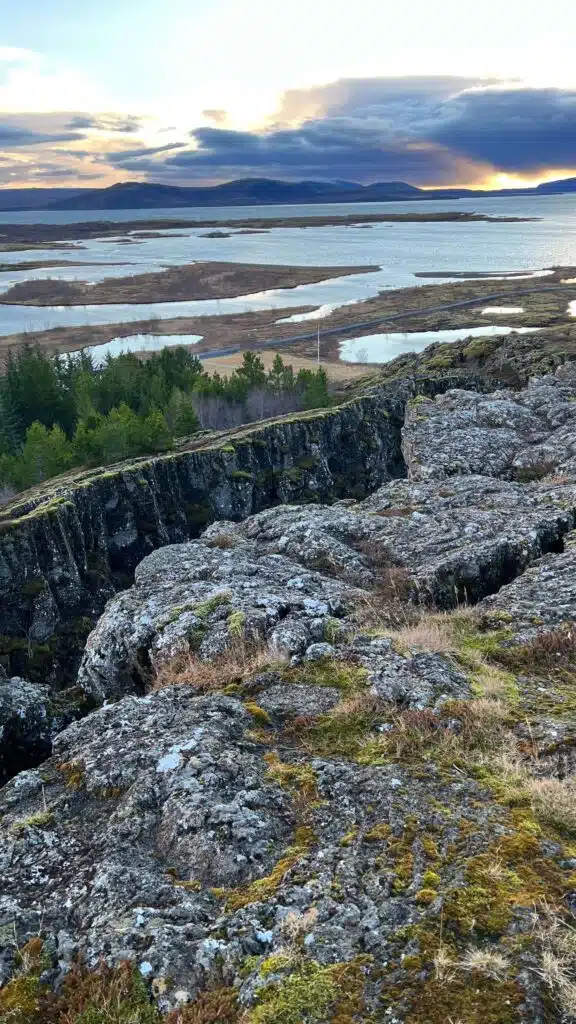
point(514, 129)
point(129, 158)
point(12, 136)
point(427, 130)
point(107, 122)
point(218, 116)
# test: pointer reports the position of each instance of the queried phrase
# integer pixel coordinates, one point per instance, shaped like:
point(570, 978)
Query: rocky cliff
point(332, 777)
point(68, 547)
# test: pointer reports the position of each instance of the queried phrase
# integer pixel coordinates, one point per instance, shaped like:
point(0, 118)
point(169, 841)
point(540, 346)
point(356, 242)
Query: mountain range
point(135, 195)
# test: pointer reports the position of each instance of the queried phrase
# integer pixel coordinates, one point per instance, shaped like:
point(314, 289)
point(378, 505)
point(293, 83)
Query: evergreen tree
point(252, 370)
point(155, 435)
point(46, 453)
point(181, 415)
point(316, 389)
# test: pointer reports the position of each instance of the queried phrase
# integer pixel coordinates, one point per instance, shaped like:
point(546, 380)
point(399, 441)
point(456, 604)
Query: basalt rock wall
point(67, 548)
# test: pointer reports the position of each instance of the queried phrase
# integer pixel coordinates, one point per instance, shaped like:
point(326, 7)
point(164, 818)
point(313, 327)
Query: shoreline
point(190, 282)
point(22, 236)
point(544, 304)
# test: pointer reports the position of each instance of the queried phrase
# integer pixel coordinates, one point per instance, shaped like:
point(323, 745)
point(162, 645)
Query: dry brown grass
point(557, 940)
point(554, 802)
point(231, 668)
point(221, 540)
point(419, 735)
point(490, 962)
point(432, 631)
point(552, 651)
point(557, 479)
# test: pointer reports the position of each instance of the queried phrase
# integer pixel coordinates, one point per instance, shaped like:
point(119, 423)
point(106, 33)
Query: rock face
point(372, 825)
point(68, 548)
point(516, 435)
point(290, 576)
point(163, 813)
point(30, 716)
point(540, 600)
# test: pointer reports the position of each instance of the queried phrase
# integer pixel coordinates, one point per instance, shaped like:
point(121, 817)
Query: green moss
point(525, 877)
point(479, 348)
point(258, 713)
point(236, 621)
point(477, 999)
point(431, 880)
point(275, 963)
point(73, 773)
point(228, 448)
point(376, 834)
point(298, 779)
point(263, 889)
point(489, 644)
point(313, 993)
point(349, 838)
point(33, 588)
point(418, 400)
point(332, 630)
point(39, 820)
point(241, 474)
point(204, 608)
point(440, 362)
point(426, 896)
point(342, 675)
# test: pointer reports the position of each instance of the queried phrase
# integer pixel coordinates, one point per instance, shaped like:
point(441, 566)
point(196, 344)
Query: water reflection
point(139, 343)
point(381, 348)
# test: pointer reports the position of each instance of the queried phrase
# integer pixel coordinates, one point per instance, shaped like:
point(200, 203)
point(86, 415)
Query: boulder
point(510, 434)
point(160, 832)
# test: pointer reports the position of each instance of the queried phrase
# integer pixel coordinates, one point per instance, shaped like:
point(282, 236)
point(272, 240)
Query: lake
point(401, 250)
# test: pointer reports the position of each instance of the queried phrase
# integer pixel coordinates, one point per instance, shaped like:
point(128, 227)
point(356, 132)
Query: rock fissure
point(346, 798)
point(79, 539)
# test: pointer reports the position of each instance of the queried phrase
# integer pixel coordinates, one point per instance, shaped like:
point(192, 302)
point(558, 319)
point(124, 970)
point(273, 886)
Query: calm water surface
point(380, 348)
point(399, 250)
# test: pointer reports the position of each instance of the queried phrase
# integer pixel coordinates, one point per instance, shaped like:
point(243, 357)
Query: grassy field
point(335, 370)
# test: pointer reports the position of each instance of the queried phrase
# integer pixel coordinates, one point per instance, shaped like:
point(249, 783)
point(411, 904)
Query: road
point(367, 325)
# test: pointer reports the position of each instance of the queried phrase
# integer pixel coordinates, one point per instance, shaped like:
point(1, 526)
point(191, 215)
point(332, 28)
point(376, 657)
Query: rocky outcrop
point(516, 435)
point(68, 547)
point(371, 822)
point(289, 577)
point(541, 600)
point(30, 716)
point(163, 832)
point(194, 597)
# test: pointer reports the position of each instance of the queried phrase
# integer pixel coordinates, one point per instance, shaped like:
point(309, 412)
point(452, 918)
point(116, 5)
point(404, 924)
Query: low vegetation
point(57, 412)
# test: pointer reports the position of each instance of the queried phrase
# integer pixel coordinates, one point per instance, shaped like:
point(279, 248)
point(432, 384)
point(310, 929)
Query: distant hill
point(244, 192)
point(35, 198)
point(137, 195)
point(564, 185)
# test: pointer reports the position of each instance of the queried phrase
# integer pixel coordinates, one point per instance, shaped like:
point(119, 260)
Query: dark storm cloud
point(336, 148)
point(106, 122)
point(515, 129)
point(424, 130)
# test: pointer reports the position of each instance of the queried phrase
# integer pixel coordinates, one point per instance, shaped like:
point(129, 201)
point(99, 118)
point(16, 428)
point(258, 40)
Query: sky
point(191, 92)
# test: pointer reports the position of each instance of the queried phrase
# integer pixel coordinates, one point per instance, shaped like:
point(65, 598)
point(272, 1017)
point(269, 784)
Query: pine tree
point(180, 415)
point(156, 436)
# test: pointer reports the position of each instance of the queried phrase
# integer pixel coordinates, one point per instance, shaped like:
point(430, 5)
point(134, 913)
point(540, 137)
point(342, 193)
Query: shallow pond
point(381, 348)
